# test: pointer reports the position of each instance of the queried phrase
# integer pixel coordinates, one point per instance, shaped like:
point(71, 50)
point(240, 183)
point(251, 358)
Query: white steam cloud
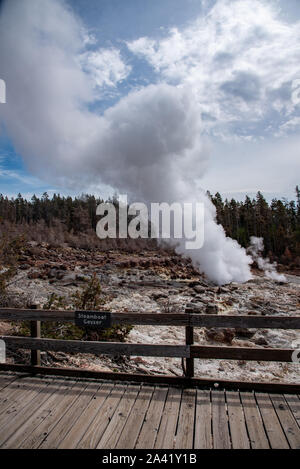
point(147, 145)
point(256, 249)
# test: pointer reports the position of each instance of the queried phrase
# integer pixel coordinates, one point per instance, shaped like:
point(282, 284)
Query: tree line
point(278, 222)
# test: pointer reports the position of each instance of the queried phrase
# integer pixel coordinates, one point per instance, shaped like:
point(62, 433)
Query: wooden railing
point(187, 351)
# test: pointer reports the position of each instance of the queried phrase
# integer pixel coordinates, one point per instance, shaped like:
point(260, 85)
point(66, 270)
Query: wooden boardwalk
point(52, 412)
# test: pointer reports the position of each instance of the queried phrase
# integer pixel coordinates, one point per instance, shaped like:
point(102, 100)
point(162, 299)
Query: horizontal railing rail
point(110, 348)
point(188, 352)
point(160, 319)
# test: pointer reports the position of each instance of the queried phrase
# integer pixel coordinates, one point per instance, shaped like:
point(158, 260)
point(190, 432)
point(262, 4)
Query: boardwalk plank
point(294, 405)
point(288, 422)
point(6, 379)
point(185, 430)
point(150, 426)
point(56, 411)
point(43, 403)
point(65, 424)
point(22, 407)
point(97, 427)
point(237, 425)
point(272, 425)
point(19, 392)
point(22, 414)
point(136, 418)
point(256, 431)
point(203, 421)
point(166, 433)
point(116, 425)
point(221, 436)
point(81, 425)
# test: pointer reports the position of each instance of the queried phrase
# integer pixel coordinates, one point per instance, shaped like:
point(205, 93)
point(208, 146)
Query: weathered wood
point(13, 430)
point(73, 437)
point(203, 421)
point(35, 331)
point(185, 429)
point(30, 424)
point(189, 362)
point(220, 429)
point(16, 314)
point(6, 379)
point(294, 405)
point(155, 379)
point(65, 398)
point(238, 431)
point(242, 353)
point(135, 420)
point(272, 425)
point(114, 348)
point(69, 413)
point(255, 427)
point(65, 424)
point(162, 319)
point(158, 350)
point(152, 420)
point(25, 388)
point(288, 422)
point(115, 427)
point(101, 420)
point(250, 322)
point(166, 432)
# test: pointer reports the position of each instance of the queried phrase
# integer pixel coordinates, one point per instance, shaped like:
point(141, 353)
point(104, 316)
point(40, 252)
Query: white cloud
point(105, 66)
point(291, 124)
point(241, 60)
point(270, 166)
point(19, 176)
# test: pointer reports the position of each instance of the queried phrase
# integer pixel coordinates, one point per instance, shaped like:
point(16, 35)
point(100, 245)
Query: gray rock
point(158, 295)
point(199, 289)
point(244, 332)
point(211, 308)
point(260, 341)
point(69, 279)
point(82, 277)
point(195, 308)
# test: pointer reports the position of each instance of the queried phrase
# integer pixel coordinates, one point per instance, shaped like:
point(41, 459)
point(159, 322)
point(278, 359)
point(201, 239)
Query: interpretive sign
point(96, 319)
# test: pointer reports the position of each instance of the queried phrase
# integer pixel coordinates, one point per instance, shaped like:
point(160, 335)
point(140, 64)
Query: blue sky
point(78, 71)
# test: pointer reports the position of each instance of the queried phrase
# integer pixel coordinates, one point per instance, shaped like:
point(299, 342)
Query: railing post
point(35, 329)
point(189, 340)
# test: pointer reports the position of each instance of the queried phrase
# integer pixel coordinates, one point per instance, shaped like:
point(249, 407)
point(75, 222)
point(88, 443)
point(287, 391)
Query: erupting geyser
point(148, 145)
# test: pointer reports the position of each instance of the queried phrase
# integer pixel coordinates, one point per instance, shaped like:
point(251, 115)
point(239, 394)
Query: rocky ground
point(159, 281)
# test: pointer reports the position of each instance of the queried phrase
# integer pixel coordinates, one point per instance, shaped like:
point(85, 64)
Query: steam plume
point(256, 248)
point(147, 145)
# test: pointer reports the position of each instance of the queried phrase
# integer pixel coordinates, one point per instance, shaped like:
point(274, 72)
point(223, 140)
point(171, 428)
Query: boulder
point(158, 295)
point(225, 335)
point(211, 308)
point(260, 341)
point(244, 332)
point(34, 274)
point(199, 289)
point(195, 308)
